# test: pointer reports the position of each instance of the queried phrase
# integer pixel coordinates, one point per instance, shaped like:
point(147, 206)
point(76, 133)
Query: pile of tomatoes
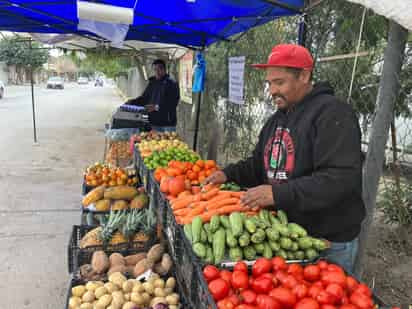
point(274, 284)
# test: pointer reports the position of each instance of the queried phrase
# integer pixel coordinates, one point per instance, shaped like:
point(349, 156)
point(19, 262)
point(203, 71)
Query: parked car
point(1, 89)
point(55, 82)
point(82, 80)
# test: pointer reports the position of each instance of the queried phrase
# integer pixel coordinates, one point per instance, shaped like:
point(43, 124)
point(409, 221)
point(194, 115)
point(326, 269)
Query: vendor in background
point(160, 99)
point(307, 161)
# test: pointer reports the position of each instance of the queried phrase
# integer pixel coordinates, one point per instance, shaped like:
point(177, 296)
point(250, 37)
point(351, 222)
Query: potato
point(93, 285)
point(158, 300)
point(111, 287)
point(86, 306)
point(118, 300)
point(116, 259)
point(172, 299)
point(166, 262)
point(138, 288)
point(132, 260)
point(100, 262)
point(146, 298)
point(148, 287)
point(174, 306)
point(159, 283)
point(127, 286)
point(100, 291)
point(117, 269)
point(78, 290)
point(127, 296)
point(74, 302)
point(168, 291)
point(159, 292)
point(129, 305)
point(105, 300)
point(141, 267)
point(88, 297)
point(117, 278)
point(137, 298)
point(155, 253)
point(171, 283)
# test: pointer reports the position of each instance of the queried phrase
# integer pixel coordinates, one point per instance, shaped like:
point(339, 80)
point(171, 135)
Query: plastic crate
point(79, 231)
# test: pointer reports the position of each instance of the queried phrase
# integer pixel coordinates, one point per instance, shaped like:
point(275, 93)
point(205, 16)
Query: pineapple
point(92, 238)
point(116, 221)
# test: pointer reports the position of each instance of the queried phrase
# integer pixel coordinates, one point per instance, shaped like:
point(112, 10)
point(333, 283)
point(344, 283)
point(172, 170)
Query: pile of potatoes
point(122, 293)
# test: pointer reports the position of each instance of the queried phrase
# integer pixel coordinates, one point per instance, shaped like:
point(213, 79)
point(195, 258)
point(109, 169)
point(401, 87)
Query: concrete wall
point(133, 84)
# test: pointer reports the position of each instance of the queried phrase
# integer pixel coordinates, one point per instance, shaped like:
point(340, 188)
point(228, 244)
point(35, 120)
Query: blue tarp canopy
point(192, 23)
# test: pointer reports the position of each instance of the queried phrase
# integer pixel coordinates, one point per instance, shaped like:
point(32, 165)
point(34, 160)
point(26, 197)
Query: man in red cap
point(308, 158)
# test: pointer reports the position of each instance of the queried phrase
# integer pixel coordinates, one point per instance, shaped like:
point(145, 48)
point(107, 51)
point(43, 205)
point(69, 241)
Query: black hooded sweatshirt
point(311, 155)
point(165, 94)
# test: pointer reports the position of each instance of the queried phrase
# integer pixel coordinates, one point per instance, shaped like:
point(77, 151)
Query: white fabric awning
point(397, 10)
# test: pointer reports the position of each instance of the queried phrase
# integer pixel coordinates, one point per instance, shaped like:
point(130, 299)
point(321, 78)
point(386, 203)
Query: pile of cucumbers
point(230, 186)
point(239, 237)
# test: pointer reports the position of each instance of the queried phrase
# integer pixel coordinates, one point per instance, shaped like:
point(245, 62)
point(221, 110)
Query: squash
point(93, 196)
point(139, 201)
point(120, 205)
point(120, 193)
point(103, 205)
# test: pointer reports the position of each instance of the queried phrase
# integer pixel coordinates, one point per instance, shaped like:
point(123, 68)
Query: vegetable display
point(103, 174)
point(273, 284)
point(239, 237)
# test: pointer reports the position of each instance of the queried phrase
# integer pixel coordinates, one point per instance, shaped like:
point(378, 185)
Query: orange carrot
point(182, 202)
point(209, 187)
point(186, 220)
point(210, 194)
point(229, 209)
point(182, 212)
point(223, 202)
point(237, 194)
point(197, 211)
point(220, 196)
point(206, 216)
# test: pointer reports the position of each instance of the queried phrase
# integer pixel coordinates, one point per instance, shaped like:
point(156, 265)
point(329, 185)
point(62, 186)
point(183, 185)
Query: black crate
point(79, 231)
point(184, 301)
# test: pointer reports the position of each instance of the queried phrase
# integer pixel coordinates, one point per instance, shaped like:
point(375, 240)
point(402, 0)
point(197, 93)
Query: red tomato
point(334, 267)
point(395, 308)
point(261, 266)
point(219, 288)
point(364, 289)
point(279, 263)
point(248, 296)
point(319, 284)
point(226, 275)
point(241, 266)
point(300, 290)
point(295, 269)
point(290, 282)
point(327, 306)
point(323, 264)
point(344, 300)
point(210, 272)
point(267, 302)
point(240, 280)
point(244, 306)
point(307, 303)
point(271, 277)
point(314, 291)
point(348, 306)
point(284, 296)
point(351, 283)
point(281, 275)
point(334, 277)
point(311, 273)
point(336, 290)
point(225, 304)
point(251, 280)
point(234, 299)
point(262, 285)
point(325, 298)
point(361, 300)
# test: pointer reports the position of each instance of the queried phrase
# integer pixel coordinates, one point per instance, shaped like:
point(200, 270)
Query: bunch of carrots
point(208, 202)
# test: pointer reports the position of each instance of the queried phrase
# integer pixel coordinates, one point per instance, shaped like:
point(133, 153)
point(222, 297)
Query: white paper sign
point(236, 78)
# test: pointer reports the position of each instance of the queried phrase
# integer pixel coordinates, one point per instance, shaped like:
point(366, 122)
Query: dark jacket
point(165, 94)
point(311, 156)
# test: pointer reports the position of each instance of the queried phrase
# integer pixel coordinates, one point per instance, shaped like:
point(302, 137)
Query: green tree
point(15, 52)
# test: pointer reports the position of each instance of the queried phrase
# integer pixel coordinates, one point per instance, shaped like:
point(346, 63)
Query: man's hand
point(217, 177)
point(260, 196)
point(150, 108)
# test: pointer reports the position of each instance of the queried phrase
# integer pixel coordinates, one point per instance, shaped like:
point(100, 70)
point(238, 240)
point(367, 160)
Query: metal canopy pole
point(199, 99)
point(32, 99)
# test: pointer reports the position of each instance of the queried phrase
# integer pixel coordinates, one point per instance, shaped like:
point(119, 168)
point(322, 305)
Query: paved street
point(41, 185)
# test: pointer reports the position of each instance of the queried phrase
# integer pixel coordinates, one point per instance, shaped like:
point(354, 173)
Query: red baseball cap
point(288, 55)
